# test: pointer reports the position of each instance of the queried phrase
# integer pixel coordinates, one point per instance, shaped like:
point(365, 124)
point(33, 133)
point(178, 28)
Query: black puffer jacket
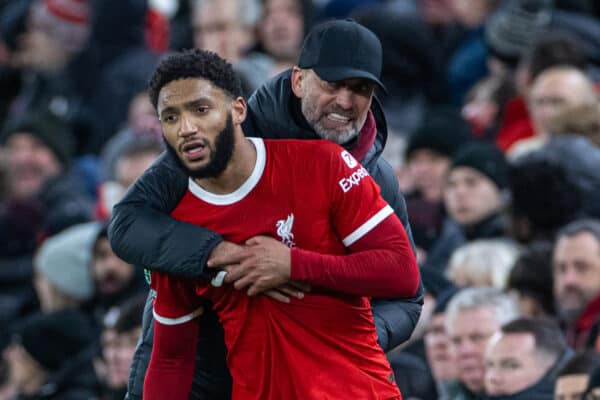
point(141, 233)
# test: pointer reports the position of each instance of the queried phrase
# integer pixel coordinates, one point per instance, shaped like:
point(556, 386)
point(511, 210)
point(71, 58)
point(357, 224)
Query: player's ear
point(238, 110)
point(297, 80)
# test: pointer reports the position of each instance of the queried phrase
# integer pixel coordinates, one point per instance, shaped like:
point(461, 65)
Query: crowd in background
point(493, 116)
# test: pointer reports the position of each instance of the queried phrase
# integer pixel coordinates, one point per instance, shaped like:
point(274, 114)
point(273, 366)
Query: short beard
point(220, 157)
point(339, 137)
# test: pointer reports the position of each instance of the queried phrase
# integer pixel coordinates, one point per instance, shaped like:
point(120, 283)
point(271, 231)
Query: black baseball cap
point(342, 49)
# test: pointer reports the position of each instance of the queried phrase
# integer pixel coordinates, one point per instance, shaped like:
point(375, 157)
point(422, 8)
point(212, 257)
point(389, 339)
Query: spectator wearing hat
point(428, 157)
point(329, 95)
point(62, 276)
point(544, 197)
point(39, 151)
point(475, 194)
point(51, 357)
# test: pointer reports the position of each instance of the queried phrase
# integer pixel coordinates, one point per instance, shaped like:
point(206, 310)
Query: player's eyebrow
point(188, 104)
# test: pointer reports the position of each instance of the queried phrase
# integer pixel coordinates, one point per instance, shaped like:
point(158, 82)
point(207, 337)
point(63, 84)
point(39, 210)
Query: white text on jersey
point(353, 180)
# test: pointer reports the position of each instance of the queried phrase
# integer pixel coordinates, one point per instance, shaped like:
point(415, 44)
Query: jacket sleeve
point(142, 232)
point(395, 319)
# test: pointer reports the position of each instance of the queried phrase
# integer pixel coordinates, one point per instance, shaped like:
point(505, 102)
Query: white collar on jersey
point(244, 189)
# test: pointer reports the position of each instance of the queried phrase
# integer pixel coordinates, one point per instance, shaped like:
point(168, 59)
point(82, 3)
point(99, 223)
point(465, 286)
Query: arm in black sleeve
point(142, 232)
point(395, 319)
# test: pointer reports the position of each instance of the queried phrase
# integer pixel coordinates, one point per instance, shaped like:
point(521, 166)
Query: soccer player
point(332, 226)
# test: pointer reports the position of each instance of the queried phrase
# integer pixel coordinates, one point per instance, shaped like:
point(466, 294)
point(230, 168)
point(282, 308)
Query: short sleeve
point(357, 206)
point(176, 301)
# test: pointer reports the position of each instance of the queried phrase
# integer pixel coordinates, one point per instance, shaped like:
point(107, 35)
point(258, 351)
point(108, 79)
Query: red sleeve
point(381, 264)
point(175, 309)
point(173, 360)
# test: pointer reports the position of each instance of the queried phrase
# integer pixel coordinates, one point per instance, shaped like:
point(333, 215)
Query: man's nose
point(187, 126)
point(344, 98)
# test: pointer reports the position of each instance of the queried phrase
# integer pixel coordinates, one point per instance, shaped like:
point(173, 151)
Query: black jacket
point(141, 233)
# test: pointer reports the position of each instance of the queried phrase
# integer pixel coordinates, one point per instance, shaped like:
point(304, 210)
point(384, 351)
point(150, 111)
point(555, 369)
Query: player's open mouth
point(194, 150)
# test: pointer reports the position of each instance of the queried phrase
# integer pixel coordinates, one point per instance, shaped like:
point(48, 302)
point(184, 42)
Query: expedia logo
point(349, 160)
point(353, 180)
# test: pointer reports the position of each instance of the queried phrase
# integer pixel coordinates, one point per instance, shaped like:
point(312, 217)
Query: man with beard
point(114, 279)
point(330, 95)
point(576, 270)
point(344, 240)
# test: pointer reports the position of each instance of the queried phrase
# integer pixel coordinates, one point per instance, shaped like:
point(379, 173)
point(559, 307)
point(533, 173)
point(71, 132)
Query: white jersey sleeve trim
point(368, 226)
point(179, 320)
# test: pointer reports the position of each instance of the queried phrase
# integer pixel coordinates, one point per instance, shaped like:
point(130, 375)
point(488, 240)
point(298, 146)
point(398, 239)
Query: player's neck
point(237, 172)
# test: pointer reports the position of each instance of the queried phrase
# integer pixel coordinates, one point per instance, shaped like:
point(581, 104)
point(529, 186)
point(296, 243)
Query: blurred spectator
point(475, 195)
point(118, 341)
point(39, 152)
point(592, 391)
point(133, 159)
point(142, 123)
point(482, 263)
point(39, 149)
point(5, 177)
point(485, 104)
point(8, 390)
point(225, 27)
point(473, 316)
point(553, 91)
point(411, 71)
point(468, 63)
point(512, 29)
point(582, 120)
point(50, 357)
point(62, 277)
point(574, 376)
point(522, 360)
point(114, 280)
point(440, 357)
point(576, 263)
point(531, 282)
point(544, 196)
point(554, 48)
point(428, 157)
point(280, 33)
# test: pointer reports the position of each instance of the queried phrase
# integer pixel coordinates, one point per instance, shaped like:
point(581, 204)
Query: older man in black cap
point(329, 95)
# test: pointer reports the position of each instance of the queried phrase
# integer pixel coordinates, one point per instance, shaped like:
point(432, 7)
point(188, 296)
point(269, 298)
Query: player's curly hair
point(194, 63)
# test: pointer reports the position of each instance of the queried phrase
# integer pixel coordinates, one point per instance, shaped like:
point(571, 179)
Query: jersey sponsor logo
point(284, 230)
point(349, 159)
point(354, 179)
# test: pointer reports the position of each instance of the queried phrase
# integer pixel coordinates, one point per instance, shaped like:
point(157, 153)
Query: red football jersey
point(310, 194)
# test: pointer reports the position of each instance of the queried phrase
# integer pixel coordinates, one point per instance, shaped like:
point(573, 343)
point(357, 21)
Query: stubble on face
point(317, 118)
